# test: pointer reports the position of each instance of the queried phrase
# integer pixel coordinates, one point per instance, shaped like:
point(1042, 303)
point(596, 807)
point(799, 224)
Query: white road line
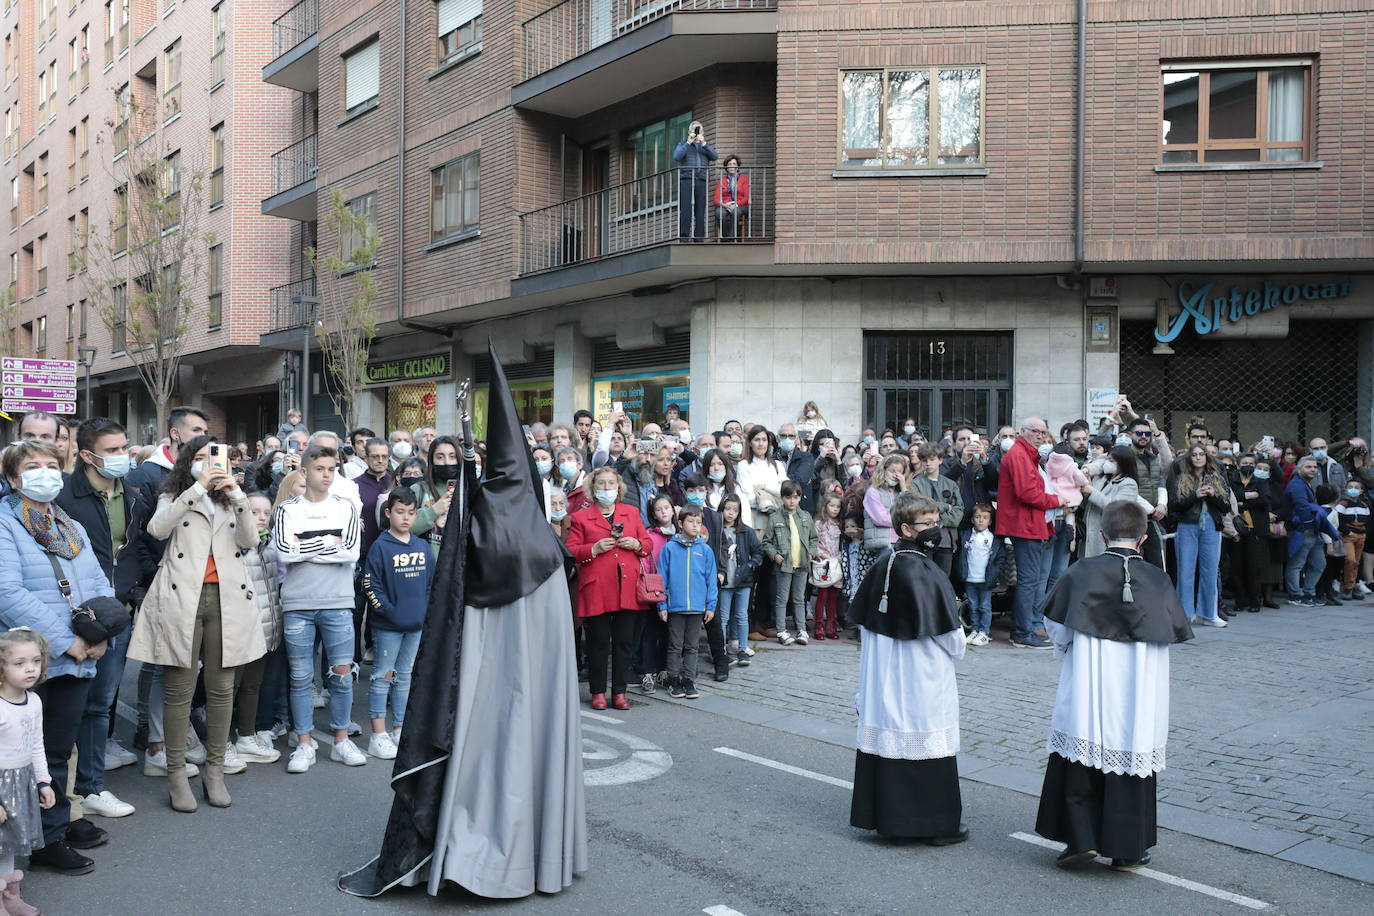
point(721, 909)
point(1239, 899)
point(785, 767)
point(610, 720)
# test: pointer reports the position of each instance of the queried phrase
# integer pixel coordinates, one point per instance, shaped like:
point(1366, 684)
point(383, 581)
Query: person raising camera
point(693, 156)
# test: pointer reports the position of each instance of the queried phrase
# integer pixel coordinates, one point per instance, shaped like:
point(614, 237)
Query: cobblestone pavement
point(1272, 720)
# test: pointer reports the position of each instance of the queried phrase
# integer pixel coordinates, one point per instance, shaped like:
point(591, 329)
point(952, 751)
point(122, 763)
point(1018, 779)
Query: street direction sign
point(39, 393)
point(52, 380)
point(38, 384)
point(50, 366)
point(21, 406)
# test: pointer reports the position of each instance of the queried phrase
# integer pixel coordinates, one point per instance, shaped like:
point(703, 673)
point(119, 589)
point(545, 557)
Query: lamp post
point(86, 358)
point(304, 307)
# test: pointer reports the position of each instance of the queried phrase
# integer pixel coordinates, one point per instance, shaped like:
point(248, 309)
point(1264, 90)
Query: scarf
point(56, 533)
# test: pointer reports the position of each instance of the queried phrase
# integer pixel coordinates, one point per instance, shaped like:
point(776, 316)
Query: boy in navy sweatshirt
point(688, 567)
point(396, 581)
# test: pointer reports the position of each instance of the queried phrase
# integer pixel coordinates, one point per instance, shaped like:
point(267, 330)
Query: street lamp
point(304, 306)
point(86, 359)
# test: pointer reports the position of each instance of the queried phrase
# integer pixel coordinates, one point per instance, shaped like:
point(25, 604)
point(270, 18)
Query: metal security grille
point(541, 367)
point(676, 352)
point(939, 378)
point(1293, 389)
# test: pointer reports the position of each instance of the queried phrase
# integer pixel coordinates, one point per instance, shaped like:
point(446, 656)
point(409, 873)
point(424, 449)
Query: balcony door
point(939, 378)
point(596, 177)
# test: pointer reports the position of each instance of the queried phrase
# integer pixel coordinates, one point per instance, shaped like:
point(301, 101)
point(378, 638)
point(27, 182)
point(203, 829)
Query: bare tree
point(140, 268)
point(346, 323)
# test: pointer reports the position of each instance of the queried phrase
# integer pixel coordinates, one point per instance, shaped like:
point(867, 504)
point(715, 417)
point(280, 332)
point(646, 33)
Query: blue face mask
point(1354, 492)
point(1319, 454)
point(716, 476)
point(558, 514)
point(544, 466)
point(41, 484)
point(1123, 440)
point(278, 467)
point(569, 470)
point(114, 466)
point(786, 444)
point(607, 497)
point(1261, 474)
point(696, 499)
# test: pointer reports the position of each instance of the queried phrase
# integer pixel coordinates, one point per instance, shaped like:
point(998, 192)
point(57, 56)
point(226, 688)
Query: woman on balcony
point(732, 200)
point(693, 157)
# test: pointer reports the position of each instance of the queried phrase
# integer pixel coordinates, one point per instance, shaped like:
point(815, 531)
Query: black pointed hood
point(511, 549)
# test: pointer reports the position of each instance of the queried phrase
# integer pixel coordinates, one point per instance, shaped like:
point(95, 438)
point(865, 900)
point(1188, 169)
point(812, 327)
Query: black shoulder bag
point(96, 620)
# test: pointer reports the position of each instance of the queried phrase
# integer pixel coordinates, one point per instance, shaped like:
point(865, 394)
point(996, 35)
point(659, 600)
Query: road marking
point(785, 767)
point(721, 909)
point(1239, 899)
point(644, 760)
point(598, 717)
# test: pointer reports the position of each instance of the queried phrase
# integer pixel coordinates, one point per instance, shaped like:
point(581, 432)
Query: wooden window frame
point(441, 173)
point(1205, 69)
point(932, 162)
point(214, 281)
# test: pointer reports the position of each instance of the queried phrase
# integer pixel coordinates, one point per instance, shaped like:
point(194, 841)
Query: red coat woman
point(608, 570)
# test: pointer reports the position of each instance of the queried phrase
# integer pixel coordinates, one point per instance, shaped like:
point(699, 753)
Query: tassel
point(1126, 594)
point(882, 605)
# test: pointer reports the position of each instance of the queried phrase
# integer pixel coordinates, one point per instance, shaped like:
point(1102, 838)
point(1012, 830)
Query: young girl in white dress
point(24, 776)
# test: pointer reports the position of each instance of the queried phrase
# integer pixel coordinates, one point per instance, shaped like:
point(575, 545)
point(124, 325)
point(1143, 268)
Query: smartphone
point(293, 446)
point(646, 445)
point(1149, 416)
point(219, 456)
point(451, 485)
point(617, 407)
point(617, 529)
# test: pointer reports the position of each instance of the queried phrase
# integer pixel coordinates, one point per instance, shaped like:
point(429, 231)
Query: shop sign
point(410, 369)
point(1208, 313)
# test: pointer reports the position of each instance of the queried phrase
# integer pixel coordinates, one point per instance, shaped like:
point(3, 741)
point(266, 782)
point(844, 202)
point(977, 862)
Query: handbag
point(95, 620)
point(1278, 530)
point(826, 573)
point(649, 590)
point(768, 503)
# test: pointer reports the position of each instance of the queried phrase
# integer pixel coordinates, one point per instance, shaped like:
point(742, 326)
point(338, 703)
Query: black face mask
point(928, 539)
point(446, 472)
point(410, 481)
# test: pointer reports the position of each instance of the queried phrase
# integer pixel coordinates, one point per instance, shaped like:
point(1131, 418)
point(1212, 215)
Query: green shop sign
point(1208, 308)
point(410, 369)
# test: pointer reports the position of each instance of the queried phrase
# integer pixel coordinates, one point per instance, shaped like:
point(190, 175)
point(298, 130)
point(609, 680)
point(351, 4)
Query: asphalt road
point(676, 827)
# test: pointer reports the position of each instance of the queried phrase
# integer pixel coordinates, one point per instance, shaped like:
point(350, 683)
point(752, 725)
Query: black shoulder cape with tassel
point(920, 602)
point(1118, 596)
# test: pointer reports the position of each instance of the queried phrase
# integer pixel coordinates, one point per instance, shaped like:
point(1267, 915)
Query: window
point(893, 119)
point(111, 29)
point(71, 332)
point(14, 274)
point(74, 60)
point(84, 56)
point(218, 30)
point(123, 14)
point(83, 142)
point(215, 274)
point(351, 247)
point(453, 203)
point(11, 130)
point(171, 191)
point(459, 28)
point(9, 58)
point(121, 128)
point(171, 72)
point(40, 337)
point(15, 194)
point(42, 182)
point(1242, 111)
point(81, 313)
point(52, 87)
point(120, 220)
point(40, 263)
point(217, 165)
point(650, 149)
point(119, 306)
point(42, 94)
point(362, 75)
point(73, 155)
point(73, 246)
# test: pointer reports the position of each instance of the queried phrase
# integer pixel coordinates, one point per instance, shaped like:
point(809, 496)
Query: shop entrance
point(940, 378)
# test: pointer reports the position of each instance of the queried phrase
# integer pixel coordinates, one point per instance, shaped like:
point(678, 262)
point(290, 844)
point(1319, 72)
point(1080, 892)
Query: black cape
point(1088, 599)
point(497, 548)
point(920, 600)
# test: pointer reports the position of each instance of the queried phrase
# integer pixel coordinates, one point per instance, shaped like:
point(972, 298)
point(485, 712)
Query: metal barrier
point(647, 212)
point(294, 165)
point(295, 26)
point(285, 313)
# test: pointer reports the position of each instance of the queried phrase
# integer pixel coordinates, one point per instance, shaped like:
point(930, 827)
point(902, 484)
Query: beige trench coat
point(166, 621)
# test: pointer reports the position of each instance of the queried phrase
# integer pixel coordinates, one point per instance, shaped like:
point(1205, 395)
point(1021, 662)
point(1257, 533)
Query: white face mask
point(736, 449)
point(1045, 449)
point(893, 479)
point(401, 450)
point(854, 470)
point(1007, 443)
point(607, 497)
point(41, 484)
point(1109, 468)
point(197, 468)
point(908, 429)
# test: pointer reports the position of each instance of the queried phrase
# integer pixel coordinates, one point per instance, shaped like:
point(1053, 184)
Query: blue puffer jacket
point(29, 596)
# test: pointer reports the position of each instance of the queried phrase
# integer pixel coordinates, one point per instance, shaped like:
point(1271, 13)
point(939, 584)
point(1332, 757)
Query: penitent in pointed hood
point(511, 549)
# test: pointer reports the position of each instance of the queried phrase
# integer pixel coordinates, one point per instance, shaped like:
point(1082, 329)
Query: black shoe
point(1270, 603)
point(952, 839)
point(689, 690)
point(722, 674)
point(60, 857)
point(1130, 864)
point(1333, 601)
point(675, 688)
point(1070, 859)
point(82, 834)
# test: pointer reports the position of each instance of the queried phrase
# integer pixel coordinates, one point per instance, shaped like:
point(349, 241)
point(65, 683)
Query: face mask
point(908, 429)
point(1354, 492)
point(1247, 470)
point(1261, 474)
point(736, 450)
point(1319, 454)
point(401, 450)
point(115, 467)
point(41, 484)
point(1123, 440)
point(810, 414)
point(558, 514)
point(410, 481)
point(569, 470)
point(716, 476)
point(1226, 451)
point(893, 479)
point(786, 444)
point(446, 472)
point(197, 468)
point(278, 467)
point(854, 470)
point(1045, 449)
point(667, 529)
point(543, 466)
point(696, 499)
point(1109, 468)
point(928, 539)
point(867, 440)
point(1007, 443)
point(607, 497)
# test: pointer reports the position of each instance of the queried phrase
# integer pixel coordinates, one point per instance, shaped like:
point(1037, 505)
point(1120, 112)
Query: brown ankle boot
point(179, 788)
point(212, 782)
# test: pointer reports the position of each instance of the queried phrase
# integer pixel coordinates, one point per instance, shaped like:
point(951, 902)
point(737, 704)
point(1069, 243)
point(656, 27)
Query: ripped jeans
point(393, 653)
point(335, 627)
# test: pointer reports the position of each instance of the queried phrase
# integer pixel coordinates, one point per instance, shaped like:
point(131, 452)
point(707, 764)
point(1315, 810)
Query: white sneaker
point(396, 736)
point(784, 638)
point(156, 765)
point(971, 639)
point(106, 805)
point(302, 758)
point(195, 751)
point(1363, 590)
point(381, 746)
point(749, 651)
point(1210, 621)
point(117, 755)
point(983, 639)
point(347, 753)
point(256, 749)
point(801, 637)
point(318, 699)
point(233, 763)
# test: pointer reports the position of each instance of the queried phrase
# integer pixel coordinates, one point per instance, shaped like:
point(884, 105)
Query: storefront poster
point(1101, 401)
point(681, 396)
point(411, 406)
point(644, 396)
point(533, 404)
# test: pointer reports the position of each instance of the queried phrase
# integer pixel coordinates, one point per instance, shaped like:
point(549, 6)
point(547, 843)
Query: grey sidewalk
point(1271, 744)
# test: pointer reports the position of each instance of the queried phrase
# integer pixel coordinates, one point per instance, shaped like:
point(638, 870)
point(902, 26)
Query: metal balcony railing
point(295, 26)
point(294, 165)
point(573, 27)
point(285, 308)
point(647, 212)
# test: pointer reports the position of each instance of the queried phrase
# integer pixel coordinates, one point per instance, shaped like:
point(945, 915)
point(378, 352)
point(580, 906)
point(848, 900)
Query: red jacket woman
point(741, 195)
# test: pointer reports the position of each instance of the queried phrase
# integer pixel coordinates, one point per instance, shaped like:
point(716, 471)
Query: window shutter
point(453, 13)
point(362, 74)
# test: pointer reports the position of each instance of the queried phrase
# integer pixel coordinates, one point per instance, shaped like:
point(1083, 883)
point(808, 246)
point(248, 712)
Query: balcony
point(632, 228)
point(285, 310)
point(295, 60)
point(582, 55)
point(293, 182)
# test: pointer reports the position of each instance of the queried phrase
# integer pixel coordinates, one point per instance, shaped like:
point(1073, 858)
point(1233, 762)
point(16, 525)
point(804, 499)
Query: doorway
point(939, 378)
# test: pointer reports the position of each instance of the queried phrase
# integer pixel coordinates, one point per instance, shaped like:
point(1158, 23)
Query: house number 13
point(937, 348)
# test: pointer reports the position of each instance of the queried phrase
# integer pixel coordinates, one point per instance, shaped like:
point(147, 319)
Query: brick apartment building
point(192, 73)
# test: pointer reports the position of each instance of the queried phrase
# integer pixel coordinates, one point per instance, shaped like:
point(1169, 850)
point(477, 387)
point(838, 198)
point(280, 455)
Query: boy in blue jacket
point(688, 567)
point(980, 563)
point(396, 581)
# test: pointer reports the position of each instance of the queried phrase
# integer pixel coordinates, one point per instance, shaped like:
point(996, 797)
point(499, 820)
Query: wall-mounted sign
point(1208, 312)
point(410, 369)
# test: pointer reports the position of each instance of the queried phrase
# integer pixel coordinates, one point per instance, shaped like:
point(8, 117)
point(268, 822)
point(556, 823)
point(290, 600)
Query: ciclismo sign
point(1208, 310)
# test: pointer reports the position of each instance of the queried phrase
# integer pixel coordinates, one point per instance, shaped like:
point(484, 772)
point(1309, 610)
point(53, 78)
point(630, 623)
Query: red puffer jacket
point(606, 582)
point(1021, 496)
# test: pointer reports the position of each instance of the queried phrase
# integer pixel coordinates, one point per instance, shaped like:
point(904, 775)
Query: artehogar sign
point(1208, 313)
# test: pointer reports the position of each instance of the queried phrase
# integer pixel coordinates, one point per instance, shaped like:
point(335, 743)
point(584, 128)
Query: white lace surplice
point(908, 700)
point(1112, 709)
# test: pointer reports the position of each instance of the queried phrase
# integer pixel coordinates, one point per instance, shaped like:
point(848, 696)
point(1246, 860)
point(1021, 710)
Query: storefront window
point(533, 404)
point(646, 395)
point(410, 406)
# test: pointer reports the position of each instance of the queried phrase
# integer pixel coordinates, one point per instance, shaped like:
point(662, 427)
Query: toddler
point(24, 779)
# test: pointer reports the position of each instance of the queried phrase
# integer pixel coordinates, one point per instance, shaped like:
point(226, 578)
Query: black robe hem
point(1085, 808)
point(906, 799)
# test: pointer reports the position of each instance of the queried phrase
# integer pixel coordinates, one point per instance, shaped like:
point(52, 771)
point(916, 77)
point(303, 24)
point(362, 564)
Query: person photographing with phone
point(1198, 499)
point(693, 156)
